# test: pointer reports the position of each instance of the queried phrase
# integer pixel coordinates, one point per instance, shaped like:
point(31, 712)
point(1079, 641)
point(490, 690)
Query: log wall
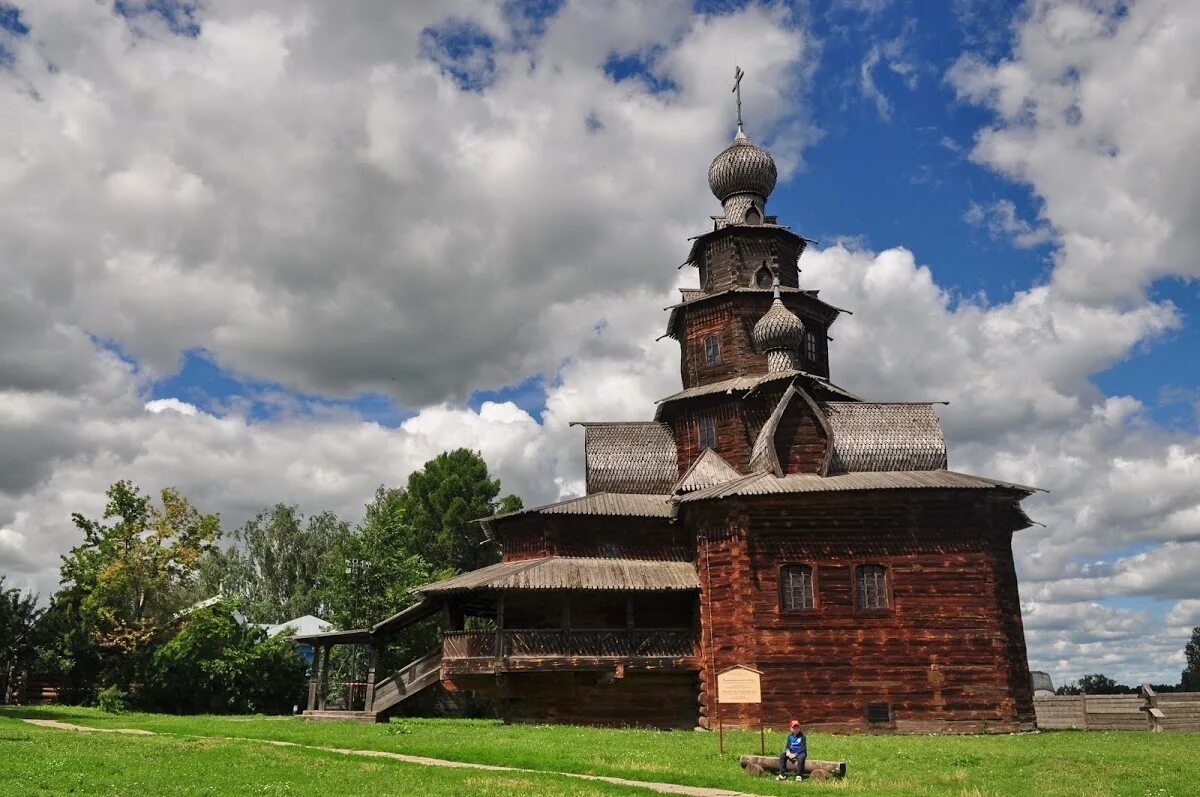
point(949, 652)
point(574, 535)
point(637, 699)
point(732, 318)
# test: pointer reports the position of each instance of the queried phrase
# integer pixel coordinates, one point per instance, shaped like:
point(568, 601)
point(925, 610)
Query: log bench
point(817, 770)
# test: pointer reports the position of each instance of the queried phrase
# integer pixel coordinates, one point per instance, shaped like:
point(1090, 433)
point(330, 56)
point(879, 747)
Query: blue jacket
point(797, 744)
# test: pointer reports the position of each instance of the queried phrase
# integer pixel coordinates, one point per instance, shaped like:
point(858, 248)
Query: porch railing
point(584, 642)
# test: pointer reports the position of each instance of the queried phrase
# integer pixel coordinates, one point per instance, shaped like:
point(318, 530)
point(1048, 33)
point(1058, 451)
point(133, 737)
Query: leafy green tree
point(1189, 680)
point(130, 575)
point(371, 572)
point(19, 617)
point(1099, 684)
point(275, 563)
point(216, 665)
point(439, 504)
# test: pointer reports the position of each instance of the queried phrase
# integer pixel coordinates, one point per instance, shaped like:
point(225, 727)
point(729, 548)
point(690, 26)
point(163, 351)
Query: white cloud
point(170, 405)
point(1098, 109)
point(1002, 221)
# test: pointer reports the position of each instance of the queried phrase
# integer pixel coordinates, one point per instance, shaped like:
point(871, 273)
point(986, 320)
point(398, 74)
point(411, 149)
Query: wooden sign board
point(739, 685)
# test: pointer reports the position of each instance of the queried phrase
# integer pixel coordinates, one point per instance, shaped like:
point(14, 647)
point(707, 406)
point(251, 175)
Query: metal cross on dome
point(738, 74)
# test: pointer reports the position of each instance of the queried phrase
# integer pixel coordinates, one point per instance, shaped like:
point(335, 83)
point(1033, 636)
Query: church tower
point(750, 330)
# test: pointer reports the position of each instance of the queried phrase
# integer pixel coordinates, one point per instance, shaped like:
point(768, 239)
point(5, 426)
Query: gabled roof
point(769, 484)
point(708, 469)
point(562, 572)
point(764, 456)
point(884, 437)
point(629, 457)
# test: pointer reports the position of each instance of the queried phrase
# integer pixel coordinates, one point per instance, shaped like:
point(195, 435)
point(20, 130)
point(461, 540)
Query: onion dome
point(779, 333)
point(743, 175)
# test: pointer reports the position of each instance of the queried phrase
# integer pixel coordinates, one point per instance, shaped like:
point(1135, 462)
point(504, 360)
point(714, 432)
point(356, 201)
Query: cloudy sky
point(287, 250)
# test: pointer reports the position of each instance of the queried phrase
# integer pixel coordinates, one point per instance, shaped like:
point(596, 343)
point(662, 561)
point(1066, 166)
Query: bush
point(214, 665)
point(113, 700)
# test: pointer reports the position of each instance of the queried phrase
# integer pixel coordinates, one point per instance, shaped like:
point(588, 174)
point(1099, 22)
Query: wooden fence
point(1146, 711)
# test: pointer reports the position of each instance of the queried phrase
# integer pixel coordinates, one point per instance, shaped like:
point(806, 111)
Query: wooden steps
point(349, 716)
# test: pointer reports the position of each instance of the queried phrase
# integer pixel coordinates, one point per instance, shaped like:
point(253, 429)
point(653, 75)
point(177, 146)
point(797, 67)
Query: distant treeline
point(159, 607)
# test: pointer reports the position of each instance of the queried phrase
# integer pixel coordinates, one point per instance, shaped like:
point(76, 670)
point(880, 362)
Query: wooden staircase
point(406, 682)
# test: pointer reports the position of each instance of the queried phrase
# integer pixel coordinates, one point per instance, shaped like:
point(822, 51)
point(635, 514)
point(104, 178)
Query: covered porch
point(345, 682)
point(561, 613)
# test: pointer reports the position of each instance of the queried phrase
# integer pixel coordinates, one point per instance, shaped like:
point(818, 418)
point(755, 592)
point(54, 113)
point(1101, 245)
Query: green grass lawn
point(1061, 763)
point(43, 761)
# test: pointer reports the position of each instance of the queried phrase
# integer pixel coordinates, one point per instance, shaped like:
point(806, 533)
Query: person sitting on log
point(795, 751)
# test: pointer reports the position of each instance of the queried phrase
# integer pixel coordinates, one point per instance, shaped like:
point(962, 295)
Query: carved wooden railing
point(583, 642)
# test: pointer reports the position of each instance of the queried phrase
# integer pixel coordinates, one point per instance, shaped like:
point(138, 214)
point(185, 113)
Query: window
point(871, 584)
point(764, 277)
point(712, 350)
point(796, 588)
point(708, 433)
point(879, 712)
point(810, 347)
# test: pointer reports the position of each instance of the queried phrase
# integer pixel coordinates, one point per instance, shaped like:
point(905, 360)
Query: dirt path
point(661, 788)
point(67, 726)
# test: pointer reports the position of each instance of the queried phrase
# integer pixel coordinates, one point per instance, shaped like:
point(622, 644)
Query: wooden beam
point(499, 627)
point(315, 680)
point(323, 687)
point(376, 650)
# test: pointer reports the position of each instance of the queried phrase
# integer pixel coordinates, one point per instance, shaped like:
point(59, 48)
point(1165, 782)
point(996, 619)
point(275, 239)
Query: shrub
point(113, 700)
point(216, 665)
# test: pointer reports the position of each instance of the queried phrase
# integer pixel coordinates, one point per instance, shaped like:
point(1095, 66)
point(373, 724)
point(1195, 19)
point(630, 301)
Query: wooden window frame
point(887, 589)
point(812, 351)
point(709, 358)
point(812, 577)
point(700, 422)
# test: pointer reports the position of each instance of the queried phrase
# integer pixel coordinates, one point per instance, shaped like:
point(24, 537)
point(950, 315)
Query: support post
point(323, 685)
point(566, 622)
point(372, 668)
point(315, 680)
point(499, 628)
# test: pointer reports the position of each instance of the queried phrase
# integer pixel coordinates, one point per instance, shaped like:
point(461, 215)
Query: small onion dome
point(742, 168)
point(780, 328)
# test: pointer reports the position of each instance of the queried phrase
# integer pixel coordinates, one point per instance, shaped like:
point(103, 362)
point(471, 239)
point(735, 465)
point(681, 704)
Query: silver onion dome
point(779, 333)
point(743, 168)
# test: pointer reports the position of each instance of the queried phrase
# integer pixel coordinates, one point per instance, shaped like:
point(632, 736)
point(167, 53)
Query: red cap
point(794, 724)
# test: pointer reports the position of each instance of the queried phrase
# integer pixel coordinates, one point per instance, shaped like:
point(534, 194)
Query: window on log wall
point(708, 433)
point(871, 584)
point(796, 588)
point(712, 350)
point(811, 352)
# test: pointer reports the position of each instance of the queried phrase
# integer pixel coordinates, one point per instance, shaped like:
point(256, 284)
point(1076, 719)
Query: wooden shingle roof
point(769, 484)
point(869, 436)
point(563, 572)
point(630, 457)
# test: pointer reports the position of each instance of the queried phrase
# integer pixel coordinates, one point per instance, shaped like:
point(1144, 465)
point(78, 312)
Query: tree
point(370, 573)
point(1095, 684)
point(19, 617)
point(441, 500)
point(128, 578)
point(275, 563)
point(1189, 680)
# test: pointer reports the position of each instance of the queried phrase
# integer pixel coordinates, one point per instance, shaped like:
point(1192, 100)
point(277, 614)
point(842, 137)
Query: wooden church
point(765, 517)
